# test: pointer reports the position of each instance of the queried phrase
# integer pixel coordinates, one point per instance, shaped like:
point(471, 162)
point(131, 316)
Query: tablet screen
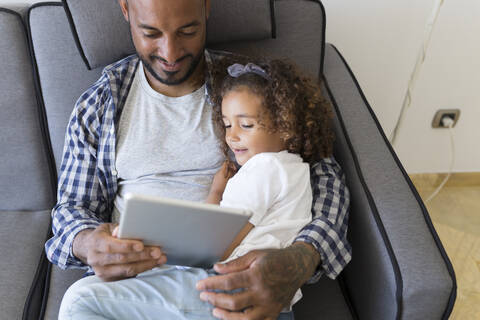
point(190, 233)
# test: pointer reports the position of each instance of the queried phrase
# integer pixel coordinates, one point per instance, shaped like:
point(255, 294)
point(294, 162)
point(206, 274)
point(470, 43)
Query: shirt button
point(114, 172)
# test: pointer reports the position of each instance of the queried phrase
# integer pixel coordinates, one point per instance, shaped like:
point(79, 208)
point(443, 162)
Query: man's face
point(169, 36)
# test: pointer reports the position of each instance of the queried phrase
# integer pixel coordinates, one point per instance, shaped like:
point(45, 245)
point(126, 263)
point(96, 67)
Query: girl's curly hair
point(293, 103)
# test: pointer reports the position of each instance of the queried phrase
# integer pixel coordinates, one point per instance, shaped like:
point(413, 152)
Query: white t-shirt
point(166, 146)
point(276, 188)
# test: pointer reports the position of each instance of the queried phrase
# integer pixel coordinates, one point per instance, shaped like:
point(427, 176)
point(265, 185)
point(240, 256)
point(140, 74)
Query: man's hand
point(112, 258)
point(269, 278)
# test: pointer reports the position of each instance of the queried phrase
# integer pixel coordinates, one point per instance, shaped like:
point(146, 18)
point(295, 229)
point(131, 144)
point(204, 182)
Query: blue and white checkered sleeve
point(328, 230)
point(79, 200)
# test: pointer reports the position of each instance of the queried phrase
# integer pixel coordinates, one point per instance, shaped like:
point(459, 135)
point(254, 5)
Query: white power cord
point(446, 122)
point(407, 100)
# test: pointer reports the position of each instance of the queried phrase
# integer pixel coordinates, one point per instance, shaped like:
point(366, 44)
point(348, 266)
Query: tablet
point(191, 233)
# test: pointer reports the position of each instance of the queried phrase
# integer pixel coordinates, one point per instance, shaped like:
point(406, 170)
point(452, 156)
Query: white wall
point(450, 79)
point(380, 39)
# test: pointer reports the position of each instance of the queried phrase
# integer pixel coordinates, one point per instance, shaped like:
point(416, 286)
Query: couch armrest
point(399, 268)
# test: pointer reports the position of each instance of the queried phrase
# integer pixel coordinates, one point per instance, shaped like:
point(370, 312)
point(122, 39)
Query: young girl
point(275, 122)
point(273, 119)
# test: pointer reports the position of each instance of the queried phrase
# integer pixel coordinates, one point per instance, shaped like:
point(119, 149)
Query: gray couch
point(49, 56)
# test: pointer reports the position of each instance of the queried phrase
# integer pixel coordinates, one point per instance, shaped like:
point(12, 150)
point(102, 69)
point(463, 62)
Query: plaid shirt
point(88, 180)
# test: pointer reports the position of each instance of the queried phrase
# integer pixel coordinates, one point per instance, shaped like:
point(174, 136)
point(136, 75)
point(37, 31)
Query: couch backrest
point(25, 180)
point(299, 35)
point(61, 71)
point(227, 23)
point(286, 28)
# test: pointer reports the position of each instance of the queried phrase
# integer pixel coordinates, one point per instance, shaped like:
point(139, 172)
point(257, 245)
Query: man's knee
point(76, 297)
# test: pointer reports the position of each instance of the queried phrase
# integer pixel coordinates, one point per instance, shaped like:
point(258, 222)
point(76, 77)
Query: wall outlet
point(441, 114)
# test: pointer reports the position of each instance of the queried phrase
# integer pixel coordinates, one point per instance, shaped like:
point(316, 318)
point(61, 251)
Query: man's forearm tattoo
point(284, 271)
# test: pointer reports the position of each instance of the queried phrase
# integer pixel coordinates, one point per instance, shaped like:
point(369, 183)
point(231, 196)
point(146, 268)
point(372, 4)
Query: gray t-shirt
point(166, 146)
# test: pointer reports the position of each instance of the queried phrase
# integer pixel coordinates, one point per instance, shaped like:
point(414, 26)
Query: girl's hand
point(115, 232)
point(220, 180)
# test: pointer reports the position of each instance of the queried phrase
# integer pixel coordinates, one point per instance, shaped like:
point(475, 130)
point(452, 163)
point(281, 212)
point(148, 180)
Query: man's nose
point(170, 49)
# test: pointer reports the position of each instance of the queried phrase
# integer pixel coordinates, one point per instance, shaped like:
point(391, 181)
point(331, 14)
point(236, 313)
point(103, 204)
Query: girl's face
point(244, 135)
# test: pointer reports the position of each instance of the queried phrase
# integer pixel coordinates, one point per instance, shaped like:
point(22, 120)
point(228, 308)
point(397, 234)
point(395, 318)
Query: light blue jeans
point(162, 293)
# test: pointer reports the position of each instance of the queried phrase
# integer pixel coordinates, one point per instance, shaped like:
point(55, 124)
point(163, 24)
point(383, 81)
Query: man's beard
point(170, 80)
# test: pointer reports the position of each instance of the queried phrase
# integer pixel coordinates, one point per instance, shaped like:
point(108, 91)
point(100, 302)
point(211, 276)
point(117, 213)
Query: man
point(146, 126)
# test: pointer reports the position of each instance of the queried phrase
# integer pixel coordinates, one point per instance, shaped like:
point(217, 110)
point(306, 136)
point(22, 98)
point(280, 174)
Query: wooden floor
point(455, 212)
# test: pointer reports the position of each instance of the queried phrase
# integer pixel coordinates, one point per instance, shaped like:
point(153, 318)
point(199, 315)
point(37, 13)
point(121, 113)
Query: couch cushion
point(25, 180)
point(322, 300)
point(60, 280)
point(114, 42)
point(300, 36)
point(61, 72)
point(228, 21)
point(22, 235)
